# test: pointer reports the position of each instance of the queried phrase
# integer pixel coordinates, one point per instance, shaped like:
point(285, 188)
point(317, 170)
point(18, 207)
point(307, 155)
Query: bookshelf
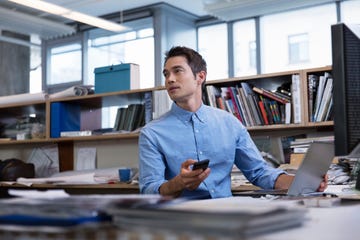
point(271, 82)
point(90, 107)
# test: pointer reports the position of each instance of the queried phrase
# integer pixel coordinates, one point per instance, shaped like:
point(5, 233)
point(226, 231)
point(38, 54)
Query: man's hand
point(191, 179)
point(284, 181)
point(187, 179)
point(323, 184)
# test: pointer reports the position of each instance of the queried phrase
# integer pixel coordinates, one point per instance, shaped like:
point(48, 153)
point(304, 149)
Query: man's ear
point(201, 77)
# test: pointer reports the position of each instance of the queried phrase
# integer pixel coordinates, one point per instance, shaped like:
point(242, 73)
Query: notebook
point(310, 173)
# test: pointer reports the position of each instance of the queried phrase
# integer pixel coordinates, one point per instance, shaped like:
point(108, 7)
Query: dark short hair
point(194, 59)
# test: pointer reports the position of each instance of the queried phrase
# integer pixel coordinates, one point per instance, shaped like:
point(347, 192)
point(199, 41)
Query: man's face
point(180, 82)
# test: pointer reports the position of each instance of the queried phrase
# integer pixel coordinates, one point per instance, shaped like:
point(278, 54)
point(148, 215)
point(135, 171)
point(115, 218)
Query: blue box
point(117, 78)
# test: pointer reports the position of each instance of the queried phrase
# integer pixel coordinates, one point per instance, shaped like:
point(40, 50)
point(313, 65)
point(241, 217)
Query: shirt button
point(212, 190)
point(196, 131)
point(200, 152)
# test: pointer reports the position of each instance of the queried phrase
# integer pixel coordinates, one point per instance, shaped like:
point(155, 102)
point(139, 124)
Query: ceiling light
point(70, 14)
point(28, 24)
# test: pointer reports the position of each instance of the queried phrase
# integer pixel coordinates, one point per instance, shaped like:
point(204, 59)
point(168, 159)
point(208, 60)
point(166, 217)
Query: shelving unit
point(92, 105)
point(272, 81)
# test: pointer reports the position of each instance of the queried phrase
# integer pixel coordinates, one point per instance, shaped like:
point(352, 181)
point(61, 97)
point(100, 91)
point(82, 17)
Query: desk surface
point(330, 223)
point(113, 188)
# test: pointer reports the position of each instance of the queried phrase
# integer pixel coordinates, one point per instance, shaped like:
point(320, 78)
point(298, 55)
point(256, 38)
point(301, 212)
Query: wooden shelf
point(97, 102)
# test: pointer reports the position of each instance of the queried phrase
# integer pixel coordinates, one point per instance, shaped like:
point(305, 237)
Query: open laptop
point(310, 173)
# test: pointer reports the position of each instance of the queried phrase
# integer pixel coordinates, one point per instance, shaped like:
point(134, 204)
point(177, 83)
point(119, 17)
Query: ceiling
point(28, 21)
point(103, 7)
point(24, 20)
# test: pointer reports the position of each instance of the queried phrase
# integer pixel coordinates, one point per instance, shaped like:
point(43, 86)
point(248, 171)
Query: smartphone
point(201, 164)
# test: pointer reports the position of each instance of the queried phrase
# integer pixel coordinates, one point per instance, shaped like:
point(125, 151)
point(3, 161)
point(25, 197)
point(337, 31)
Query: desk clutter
point(117, 215)
point(55, 214)
point(88, 176)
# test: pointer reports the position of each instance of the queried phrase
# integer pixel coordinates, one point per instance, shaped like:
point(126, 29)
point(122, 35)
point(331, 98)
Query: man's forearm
point(173, 188)
point(283, 181)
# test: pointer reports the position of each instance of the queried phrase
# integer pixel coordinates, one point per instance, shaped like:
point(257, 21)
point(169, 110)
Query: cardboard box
point(117, 78)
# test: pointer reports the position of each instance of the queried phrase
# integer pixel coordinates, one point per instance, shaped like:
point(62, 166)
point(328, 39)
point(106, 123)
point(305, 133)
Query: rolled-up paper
point(22, 98)
point(73, 91)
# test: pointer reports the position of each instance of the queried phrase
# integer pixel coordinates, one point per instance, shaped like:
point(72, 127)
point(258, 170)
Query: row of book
point(130, 118)
point(320, 97)
point(253, 106)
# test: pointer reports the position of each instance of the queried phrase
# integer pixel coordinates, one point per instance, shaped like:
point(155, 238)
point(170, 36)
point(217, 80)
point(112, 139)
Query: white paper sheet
point(86, 158)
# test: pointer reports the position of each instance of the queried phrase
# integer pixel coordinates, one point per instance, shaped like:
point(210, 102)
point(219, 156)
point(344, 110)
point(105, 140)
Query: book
point(117, 119)
point(132, 117)
point(139, 117)
point(263, 112)
point(319, 93)
point(257, 109)
point(270, 95)
point(312, 86)
point(267, 109)
point(122, 117)
point(329, 115)
point(296, 98)
point(248, 115)
point(287, 113)
point(236, 106)
point(161, 103)
point(211, 99)
point(248, 93)
point(275, 112)
point(325, 101)
point(148, 105)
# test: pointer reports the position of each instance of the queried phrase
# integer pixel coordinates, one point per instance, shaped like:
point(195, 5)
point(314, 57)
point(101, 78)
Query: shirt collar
point(185, 116)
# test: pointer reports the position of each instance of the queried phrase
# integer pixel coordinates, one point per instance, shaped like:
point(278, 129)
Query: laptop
point(309, 175)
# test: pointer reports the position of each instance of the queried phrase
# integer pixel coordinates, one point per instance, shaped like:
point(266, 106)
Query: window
point(212, 44)
point(65, 64)
point(291, 29)
point(350, 12)
point(298, 48)
point(244, 48)
point(135, 46)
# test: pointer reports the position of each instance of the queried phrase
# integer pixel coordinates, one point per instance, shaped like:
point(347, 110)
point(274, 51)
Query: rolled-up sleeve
point(252, 164)
point(151, 165)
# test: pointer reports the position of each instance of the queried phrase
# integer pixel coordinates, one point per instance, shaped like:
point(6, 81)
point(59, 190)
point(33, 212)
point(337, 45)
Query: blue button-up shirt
point(209, 133)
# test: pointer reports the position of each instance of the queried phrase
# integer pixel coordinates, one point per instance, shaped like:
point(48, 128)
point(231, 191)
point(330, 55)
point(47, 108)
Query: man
point(192, 131)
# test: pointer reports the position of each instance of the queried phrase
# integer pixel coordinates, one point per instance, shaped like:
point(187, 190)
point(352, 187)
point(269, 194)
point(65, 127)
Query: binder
point(64, 117)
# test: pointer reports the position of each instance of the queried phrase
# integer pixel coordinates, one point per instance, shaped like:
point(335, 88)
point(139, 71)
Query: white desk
point(332, 223)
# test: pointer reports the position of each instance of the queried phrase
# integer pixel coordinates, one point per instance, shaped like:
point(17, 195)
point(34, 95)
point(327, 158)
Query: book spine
point(296, 98)
point(270, 95)
point(247, 112)
point(235, 104)
point(263, 112)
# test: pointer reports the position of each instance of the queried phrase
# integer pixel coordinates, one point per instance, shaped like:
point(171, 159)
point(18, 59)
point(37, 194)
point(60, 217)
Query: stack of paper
point(235, 217)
